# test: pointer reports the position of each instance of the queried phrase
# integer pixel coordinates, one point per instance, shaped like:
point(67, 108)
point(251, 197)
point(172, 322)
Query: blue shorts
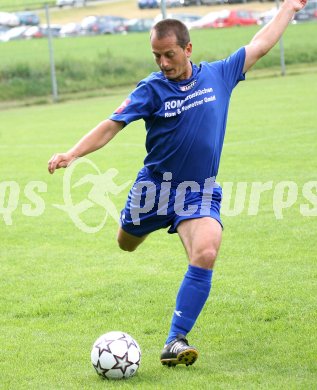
point(156, 202)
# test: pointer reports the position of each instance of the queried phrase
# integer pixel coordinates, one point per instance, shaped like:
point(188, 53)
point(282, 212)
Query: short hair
point(167, 27)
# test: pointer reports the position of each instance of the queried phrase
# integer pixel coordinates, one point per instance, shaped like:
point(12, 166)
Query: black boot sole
point(187, 357)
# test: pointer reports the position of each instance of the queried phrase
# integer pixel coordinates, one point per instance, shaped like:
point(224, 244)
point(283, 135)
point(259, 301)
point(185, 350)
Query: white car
point(72, 3)
point(207, 20)
point(266, 16)
point(70, 30)
point(9, 19)
point(187, 19)
point(14, 33)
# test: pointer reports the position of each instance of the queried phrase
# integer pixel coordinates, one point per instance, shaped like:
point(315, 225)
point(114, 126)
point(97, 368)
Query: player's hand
point(59, 160)
point(297, 5)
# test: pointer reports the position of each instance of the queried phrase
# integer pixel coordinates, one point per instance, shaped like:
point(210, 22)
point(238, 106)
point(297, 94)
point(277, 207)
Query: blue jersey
point(186, 120)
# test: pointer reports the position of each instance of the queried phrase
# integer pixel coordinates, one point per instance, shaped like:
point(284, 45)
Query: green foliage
point(91, 63)
point(61, 288)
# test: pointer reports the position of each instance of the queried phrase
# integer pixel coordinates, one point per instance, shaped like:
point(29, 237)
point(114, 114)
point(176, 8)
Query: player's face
point(172, 59)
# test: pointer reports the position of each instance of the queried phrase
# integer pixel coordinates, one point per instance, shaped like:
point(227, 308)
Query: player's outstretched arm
point(94, 140)
point(270, 34)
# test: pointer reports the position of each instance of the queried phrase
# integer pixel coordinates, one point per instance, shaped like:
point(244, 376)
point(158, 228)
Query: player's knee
point(205, 258)
point(126, 242)
point(125, 246)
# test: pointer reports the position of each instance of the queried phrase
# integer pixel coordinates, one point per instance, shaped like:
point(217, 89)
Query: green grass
point(61, 288)
point(20, 5)
point(90, 63)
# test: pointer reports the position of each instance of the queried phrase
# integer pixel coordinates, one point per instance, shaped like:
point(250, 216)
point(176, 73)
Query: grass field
point(61, 288)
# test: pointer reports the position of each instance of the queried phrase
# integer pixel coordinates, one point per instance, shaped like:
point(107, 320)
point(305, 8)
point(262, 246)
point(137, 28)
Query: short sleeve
point(138, 105)
point(232, 68)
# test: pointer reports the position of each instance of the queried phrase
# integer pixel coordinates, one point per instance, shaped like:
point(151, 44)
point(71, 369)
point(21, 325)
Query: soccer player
point(185, 108)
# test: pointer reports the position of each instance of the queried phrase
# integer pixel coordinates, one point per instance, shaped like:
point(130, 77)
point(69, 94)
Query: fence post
point(51, 53)
point(163, 9)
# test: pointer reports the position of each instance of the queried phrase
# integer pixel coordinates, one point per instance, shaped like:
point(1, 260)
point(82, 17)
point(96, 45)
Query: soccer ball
point(116, 355)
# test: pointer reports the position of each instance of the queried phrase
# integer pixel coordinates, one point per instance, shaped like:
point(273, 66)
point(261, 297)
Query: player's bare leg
point(201, 238)
point(128, 242)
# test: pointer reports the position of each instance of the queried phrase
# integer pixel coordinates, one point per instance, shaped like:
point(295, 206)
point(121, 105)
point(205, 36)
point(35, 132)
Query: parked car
point(28, 18)
point(13, 34)
point(9, 19)
point(34, 32)
point(307, 13)
point(207, 20)
point(72, 3)
point(266, 16)
point(187, 3)
point(239, 1)
point(187, 19)
point(55, 29)
point(87, 22)
point(142, 4)
point(94, 25)
point(171, 3)
point(139, 25)
point(62, 3)
point(41, 31)
point(70, 30)
point(235, 18)
point(3, 29)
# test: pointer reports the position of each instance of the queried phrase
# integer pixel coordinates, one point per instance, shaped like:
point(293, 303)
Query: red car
point(235, 18)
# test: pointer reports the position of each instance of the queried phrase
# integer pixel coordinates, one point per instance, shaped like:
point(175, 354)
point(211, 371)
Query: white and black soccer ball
point(116, 355)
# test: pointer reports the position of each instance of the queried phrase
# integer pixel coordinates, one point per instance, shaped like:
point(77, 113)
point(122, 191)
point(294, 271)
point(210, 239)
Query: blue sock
point(190, 300)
